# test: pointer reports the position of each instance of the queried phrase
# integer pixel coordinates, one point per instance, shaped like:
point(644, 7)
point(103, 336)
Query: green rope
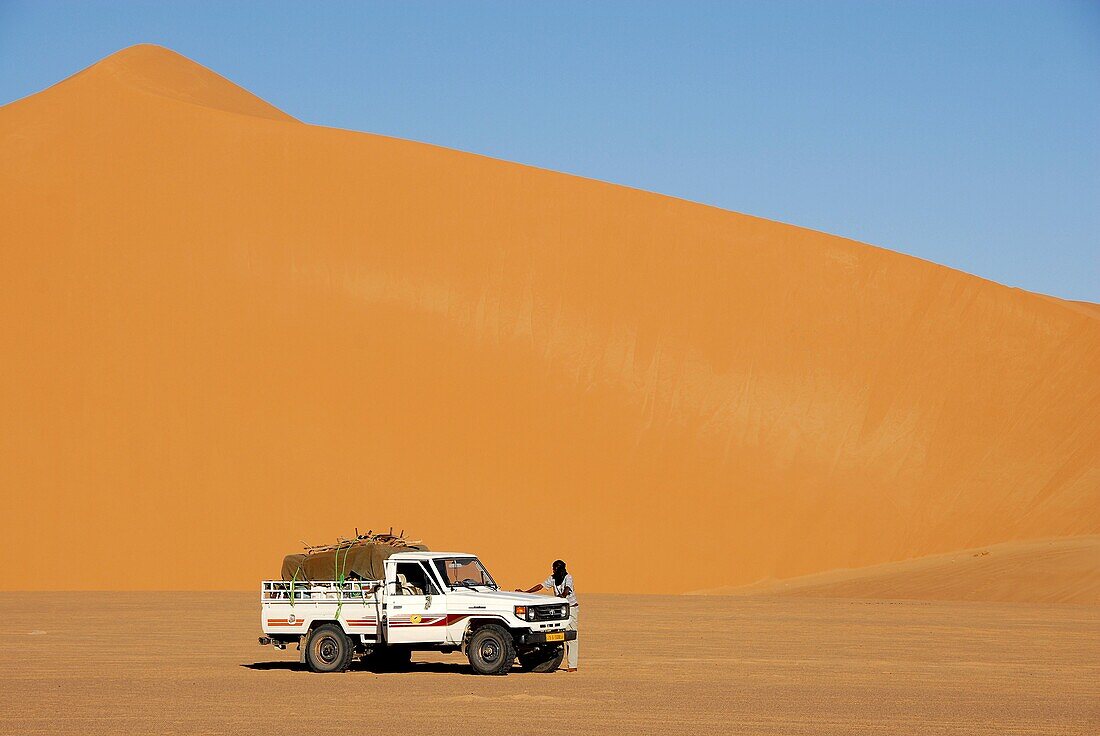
point(292, 579)
point(340, 580)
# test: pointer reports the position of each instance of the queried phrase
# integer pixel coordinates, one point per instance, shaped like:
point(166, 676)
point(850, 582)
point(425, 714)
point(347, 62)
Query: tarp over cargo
point(365, 560)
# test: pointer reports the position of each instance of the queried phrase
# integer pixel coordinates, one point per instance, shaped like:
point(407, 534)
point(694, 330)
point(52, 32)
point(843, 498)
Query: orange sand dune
point(222, 329)
point(1065, 570)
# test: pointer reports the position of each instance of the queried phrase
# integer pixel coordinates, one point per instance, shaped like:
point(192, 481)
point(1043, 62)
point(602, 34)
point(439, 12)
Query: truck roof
point(418, 555)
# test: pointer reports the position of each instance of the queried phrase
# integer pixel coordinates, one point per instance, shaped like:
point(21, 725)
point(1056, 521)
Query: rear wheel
point(329, 649)
point(546, 658)
point(491, 651)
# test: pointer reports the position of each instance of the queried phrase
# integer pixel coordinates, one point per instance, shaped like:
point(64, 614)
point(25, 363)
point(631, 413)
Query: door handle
point(397, 607)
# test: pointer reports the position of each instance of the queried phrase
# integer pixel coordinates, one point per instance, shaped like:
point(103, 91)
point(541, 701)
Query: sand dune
point(1045, 571)
point(222, 328)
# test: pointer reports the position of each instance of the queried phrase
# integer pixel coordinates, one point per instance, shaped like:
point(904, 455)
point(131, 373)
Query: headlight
point(565, 611)
point(520, 611)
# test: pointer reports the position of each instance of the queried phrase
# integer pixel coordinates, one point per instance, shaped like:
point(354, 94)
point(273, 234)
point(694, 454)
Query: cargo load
point(359, 557)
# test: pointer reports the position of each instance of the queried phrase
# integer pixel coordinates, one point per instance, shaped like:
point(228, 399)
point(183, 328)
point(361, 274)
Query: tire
point(329, 649)
point(491, 650)
point(546, 658)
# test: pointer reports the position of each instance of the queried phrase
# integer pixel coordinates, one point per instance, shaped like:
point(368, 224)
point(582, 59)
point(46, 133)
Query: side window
point(412, 579)
point(430, 585)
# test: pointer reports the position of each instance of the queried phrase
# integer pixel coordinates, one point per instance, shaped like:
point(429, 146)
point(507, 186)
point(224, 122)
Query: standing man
point(561, 582)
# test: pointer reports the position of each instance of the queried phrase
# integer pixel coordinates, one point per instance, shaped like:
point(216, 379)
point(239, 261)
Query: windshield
point(464, 572)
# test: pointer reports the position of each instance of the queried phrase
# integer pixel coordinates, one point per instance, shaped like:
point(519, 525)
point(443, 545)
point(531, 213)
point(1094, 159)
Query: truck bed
point(288, 609)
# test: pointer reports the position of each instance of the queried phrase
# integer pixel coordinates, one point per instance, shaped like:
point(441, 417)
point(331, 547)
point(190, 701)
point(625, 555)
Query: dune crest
point(218, 332)
point(160, 71)
point(1063, 570)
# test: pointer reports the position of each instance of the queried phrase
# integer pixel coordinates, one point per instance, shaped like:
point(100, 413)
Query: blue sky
point(966, 133)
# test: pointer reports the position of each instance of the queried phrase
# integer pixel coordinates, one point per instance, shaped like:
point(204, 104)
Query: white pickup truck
point(443, 601)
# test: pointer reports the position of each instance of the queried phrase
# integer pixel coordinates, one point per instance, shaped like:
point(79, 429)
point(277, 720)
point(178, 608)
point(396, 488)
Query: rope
point(292, 579)
point(340, 580)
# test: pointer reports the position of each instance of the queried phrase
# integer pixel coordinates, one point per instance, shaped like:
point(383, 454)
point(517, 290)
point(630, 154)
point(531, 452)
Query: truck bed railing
point(319, 591)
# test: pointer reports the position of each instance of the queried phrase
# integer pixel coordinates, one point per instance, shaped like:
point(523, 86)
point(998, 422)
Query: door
point(417, 611)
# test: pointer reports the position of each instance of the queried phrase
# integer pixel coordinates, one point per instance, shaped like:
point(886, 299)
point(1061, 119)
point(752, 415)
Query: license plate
point(555, 637)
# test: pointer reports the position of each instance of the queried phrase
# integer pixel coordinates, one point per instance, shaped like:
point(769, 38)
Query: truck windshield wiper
point(472, 585)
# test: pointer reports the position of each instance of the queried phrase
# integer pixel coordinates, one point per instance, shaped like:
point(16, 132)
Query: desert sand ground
point(97, 663)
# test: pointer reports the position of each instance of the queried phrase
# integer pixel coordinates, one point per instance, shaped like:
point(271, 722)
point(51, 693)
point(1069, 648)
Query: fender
point(478, 620)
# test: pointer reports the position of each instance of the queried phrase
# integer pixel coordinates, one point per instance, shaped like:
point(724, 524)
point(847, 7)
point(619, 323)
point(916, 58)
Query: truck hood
point(501, 599)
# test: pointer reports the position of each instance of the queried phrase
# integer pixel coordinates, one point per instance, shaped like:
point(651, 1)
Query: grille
point(548, 613)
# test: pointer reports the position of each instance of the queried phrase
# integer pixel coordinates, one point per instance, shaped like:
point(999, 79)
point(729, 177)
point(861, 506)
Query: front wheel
point(546, 658)
point(329, 649)
point(491, 651)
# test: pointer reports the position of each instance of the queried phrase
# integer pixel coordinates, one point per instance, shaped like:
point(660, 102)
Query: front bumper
point(540, 637)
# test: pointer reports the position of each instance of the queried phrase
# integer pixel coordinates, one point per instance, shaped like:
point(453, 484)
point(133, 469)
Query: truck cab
point(445, 601)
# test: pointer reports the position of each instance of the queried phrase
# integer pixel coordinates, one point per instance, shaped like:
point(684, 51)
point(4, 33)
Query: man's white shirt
point(560, 589)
